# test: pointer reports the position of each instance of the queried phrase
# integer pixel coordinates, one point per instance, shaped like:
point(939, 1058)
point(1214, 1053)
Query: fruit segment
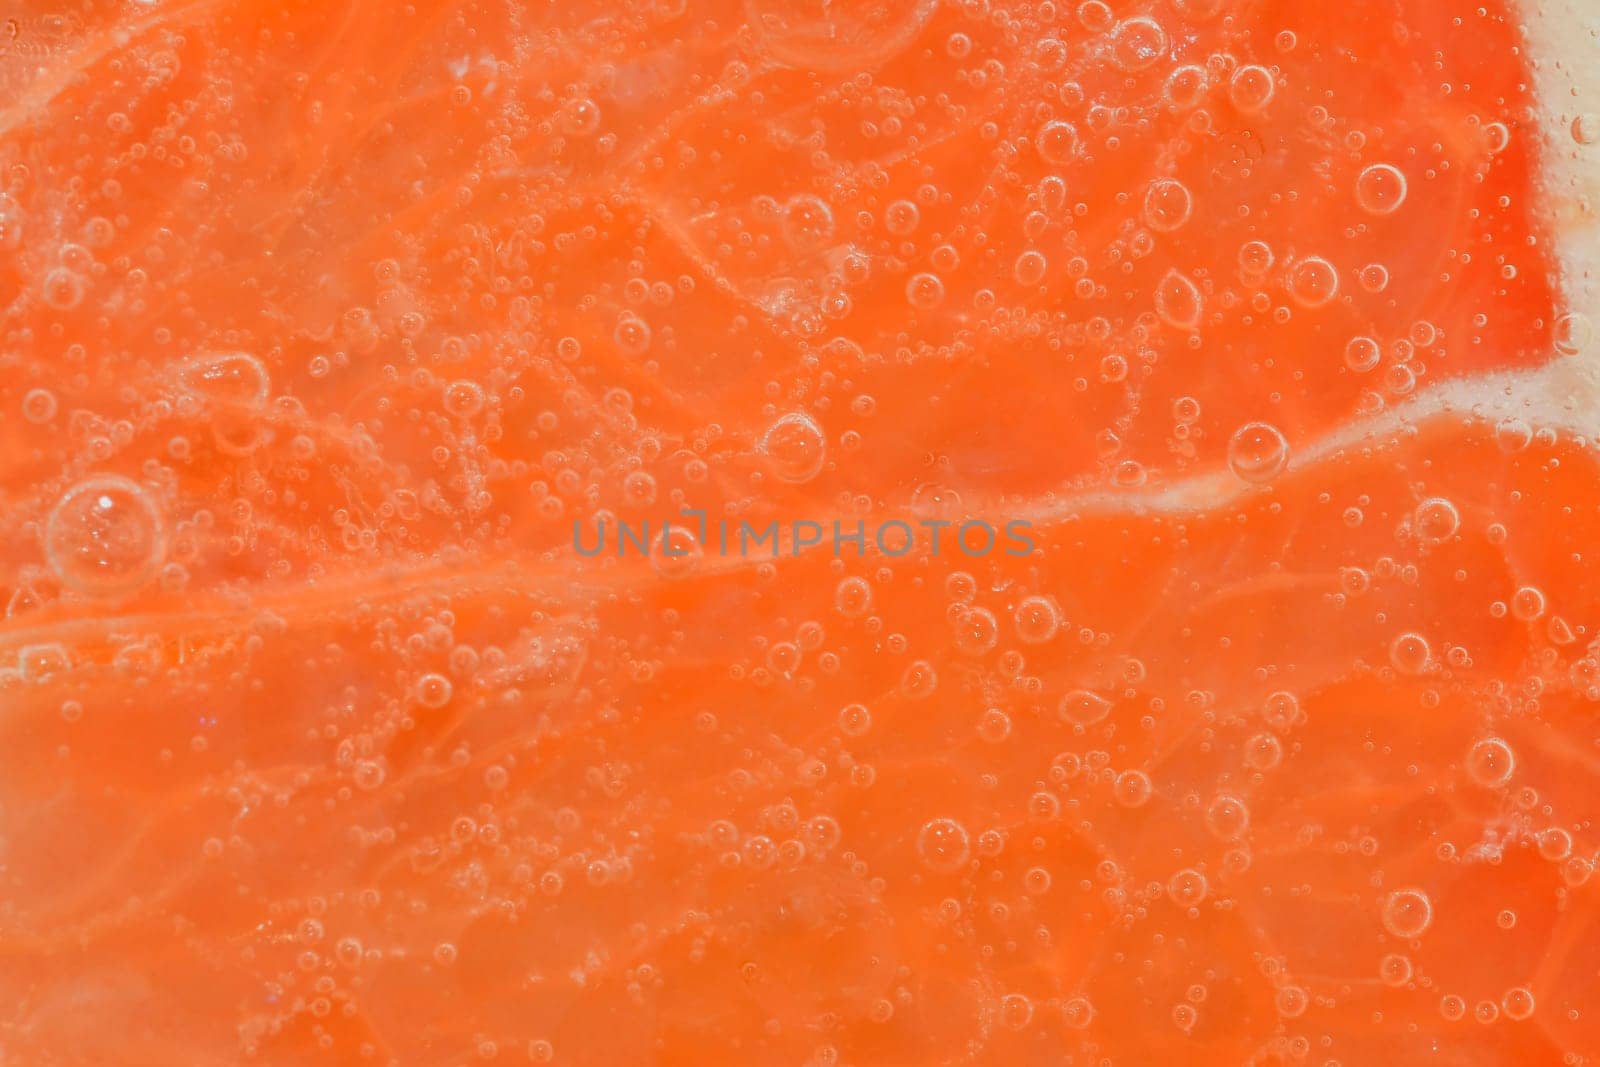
point(814, 532)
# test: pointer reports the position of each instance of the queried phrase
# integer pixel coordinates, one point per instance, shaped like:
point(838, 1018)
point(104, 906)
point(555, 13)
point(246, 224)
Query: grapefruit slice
point(778, 531)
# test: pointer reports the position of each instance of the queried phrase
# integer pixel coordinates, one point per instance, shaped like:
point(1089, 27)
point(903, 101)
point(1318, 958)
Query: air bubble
point(39, 406)
point(943, 845)
point(1178, 301)
point(1167, 205)
point(1258, 452)
point(1251, 88)
point(1138, 43)
point(1083, 707)
point(795, 447)
point(1361, 354)
point(1436, 519)
point(105, 536)
point(1057, 142)
point(1227, 817)
point(1036, 620)
point(1381, 189)
point(1407, 913)
point(1490, 763)
point(1313, 282)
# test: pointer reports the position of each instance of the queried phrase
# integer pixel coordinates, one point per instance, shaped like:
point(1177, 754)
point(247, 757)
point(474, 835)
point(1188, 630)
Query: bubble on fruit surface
point(1527, 603)
point(924, 291)
point(855, 720)
point(105, 536)
point(795, 447)
point(1132, 789)
point(1490, 763)
point(1138, 43)
point(1227, 817)
point(1572, 333)
point(1258, 452)
point(463, 399)
point(39, 405)
point(1409, 653)
point(1436, 519)
point(1518, 1003)
point(1586, 128)
point(1084, 708)
point(433, 691)
point(808, 35)
point(236, 379)
point(1380, 189)
point(1187, 887)
point(1178, 301)
point(852, 597)
point(1313, 282)
point(1251, 88)
point(1057, 142)
point(1407, 913)
point(1374, 277)
point(943, 845)
point(1394, 969)
point(1167, 205)
point(1361, 354)
point(1036, 620)
point(807, 222)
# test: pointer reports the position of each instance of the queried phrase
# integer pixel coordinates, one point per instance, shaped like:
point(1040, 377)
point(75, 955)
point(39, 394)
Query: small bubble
point(236, 379)
point(1374, 277)
point(463, 399)
point(63, 289)
point(807, 222)
point(1057, 142)
point(795, 446)
point(39, 406)
point(1227, 817)
point(1132, 789)
point(1490, 763)
point(1187, 888)
point(1083, 707)
point(1178, 301)
point(852, 597)
point(434, 691)
point(855, 720)
point(632, 335)
point(943, 845)
point(1313, 282)
point(1586, 128)
point(1292, 1001)
point(1030, 268)
point(1381, 189)
point(1016, 1011)
point(1409, 653)
point(1255, 258)
point(105, 536)
point(1036, 620)
point(1436, 519)
point(1257, 452)
point(1407, 913)
point(1572, 333)
point(1137, 43)
point(1395, 969)
point(1361, 354)
point(1167, 205)
point(1517, 1003)
point(1251, 88)
point(924, 291)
